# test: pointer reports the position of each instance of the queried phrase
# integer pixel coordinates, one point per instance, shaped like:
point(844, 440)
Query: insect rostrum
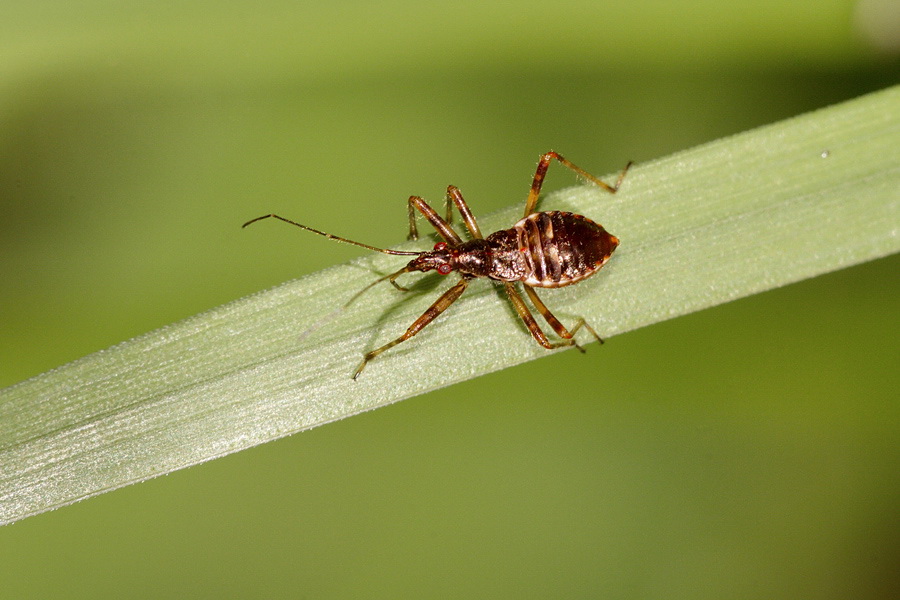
point(544, 250)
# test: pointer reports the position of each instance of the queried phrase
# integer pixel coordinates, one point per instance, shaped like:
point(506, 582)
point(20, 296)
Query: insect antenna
point(333, 237)
point(336, 312)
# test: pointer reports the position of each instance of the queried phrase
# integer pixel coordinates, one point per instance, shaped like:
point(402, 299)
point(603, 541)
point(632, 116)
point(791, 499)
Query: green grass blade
point(738, 216)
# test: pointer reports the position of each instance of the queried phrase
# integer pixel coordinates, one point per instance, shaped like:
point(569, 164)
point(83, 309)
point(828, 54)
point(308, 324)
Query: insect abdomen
point(562, 248)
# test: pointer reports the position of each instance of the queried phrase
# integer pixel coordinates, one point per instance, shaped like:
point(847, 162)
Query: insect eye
point(444, 269)
point(440, 245)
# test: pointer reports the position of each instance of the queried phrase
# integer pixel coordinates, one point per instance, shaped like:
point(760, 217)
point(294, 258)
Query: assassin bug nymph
point(544, 250)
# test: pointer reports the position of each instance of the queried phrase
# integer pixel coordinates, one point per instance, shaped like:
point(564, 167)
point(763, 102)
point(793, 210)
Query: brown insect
point(545, 249)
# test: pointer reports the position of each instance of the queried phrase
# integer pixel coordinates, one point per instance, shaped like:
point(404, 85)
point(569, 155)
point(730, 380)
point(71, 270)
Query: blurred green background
point(747, 451)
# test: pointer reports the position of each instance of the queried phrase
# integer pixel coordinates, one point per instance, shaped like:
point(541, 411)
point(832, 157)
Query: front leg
point(439, 306)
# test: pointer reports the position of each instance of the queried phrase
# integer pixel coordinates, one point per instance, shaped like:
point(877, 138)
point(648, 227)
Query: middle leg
point(454, 196)
point(444, 229)
point(533, 328)
point(557, 326)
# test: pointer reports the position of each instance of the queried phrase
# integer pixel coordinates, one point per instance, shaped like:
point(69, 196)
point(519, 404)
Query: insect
point(543, 250)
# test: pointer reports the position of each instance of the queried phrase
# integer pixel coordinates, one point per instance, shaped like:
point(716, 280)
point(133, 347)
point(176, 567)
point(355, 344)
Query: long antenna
point(332, 237)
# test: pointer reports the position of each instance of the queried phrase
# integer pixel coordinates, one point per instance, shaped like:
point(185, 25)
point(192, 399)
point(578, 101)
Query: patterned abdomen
point(561, 248)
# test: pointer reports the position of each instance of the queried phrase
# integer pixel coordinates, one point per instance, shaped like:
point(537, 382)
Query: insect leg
point(443, 228)
point(541, 172)
point(558, 327)
point(439, 306)
point(535, 330)
point(455, 196)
